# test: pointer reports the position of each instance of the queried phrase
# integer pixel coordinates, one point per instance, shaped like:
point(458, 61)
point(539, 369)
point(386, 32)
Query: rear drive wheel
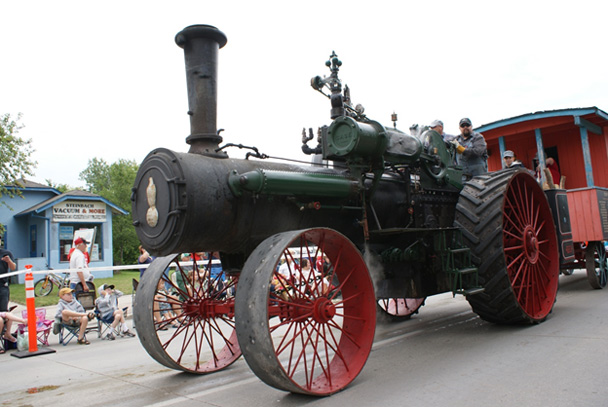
point(507, 223)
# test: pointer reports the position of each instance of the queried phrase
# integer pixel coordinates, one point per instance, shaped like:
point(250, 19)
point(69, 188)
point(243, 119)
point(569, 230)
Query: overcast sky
point(106, 80)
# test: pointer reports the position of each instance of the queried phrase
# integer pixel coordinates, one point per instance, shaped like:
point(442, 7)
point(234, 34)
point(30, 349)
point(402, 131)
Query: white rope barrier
point(103, 268)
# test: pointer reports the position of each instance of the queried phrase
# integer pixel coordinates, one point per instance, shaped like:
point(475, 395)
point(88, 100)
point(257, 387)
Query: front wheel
point(301, 330)
point(184, 313)
point(43, 287)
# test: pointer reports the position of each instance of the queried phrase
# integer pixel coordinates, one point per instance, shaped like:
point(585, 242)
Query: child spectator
point(72, 313)
point(110, 313)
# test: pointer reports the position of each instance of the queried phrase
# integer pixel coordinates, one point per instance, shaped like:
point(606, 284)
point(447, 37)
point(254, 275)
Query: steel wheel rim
point(204, 339)
point(530, 248)
point(314, 339)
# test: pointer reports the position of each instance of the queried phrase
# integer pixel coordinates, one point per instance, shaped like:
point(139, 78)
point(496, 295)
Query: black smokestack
point(201, 44)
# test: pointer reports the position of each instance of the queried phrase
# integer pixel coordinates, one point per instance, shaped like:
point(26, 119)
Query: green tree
point(114, 182)
point(15, 157)
point(60, 187)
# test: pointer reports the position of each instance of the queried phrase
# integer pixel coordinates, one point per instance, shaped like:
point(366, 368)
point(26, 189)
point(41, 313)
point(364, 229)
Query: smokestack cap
point(200, 31)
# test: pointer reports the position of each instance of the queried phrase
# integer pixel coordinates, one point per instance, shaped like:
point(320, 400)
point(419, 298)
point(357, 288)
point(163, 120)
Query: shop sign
point(79, 211)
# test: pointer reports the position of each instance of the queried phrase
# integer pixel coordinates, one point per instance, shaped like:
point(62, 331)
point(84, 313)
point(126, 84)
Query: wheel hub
point(531, 245)
point(323, 310)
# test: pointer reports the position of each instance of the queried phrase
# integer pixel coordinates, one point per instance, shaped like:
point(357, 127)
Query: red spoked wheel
point(595, 263)
point(400, 308)
point(507, 223)
point(301, 330)
point(184, 315)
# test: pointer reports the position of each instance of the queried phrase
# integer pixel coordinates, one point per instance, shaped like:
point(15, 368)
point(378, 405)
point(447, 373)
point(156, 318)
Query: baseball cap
point(106, 286)
point(80, 240)
point(436, 123)
point(508, 153)
point(65, 290)
point(465, 120)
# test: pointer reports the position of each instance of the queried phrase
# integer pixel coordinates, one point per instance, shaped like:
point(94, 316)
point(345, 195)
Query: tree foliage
point(15, 158)
point(15, 155)
point(60, 187)
point(114, 182)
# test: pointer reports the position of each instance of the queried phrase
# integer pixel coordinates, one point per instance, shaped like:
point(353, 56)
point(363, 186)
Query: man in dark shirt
point(471, 149)
point(7, 264)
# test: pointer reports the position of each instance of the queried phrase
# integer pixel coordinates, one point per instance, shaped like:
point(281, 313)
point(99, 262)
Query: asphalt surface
point(445, 355)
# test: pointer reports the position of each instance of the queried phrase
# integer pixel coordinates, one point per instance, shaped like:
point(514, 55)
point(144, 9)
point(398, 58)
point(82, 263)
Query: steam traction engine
point(386, 223)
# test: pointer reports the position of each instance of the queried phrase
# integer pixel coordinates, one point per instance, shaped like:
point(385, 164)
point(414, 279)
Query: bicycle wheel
point(43, 287)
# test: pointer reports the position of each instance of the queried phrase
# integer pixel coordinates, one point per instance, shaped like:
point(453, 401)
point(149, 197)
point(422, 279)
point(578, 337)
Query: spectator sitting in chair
point(110, 313)
point(9, 320)
point(72, 313)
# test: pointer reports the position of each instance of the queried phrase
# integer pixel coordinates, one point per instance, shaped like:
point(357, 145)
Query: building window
point(33, 240)
point(91, 232)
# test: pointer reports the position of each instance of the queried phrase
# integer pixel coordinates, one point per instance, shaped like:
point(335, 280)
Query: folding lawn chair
point(43, 325)
point(87, 300)
point(67, 332)
point(104, 325)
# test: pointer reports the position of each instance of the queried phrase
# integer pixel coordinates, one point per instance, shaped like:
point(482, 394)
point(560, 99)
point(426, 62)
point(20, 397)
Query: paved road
point(443, 356)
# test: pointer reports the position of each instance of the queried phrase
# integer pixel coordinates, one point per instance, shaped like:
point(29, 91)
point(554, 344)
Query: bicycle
point(43, 287)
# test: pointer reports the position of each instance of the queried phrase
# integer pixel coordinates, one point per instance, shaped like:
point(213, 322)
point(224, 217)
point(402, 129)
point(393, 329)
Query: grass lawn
point(122, 280)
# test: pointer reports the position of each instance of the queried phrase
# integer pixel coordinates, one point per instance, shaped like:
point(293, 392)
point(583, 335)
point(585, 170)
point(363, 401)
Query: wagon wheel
point(185, 316)
point(312, 336)
point(400, 308)
point(507, 223)
point(595, 262)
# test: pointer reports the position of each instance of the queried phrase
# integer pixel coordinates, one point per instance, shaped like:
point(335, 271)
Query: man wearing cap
point(471, 149)
point(80, 269)
point(509, 159)
point(72, 313)
point(110, 313)
point(437, 125)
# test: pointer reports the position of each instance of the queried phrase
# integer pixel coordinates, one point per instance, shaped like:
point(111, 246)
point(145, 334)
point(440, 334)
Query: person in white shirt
point(80, 269)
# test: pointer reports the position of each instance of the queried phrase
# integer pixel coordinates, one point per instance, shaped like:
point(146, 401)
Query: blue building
point(41, 224)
